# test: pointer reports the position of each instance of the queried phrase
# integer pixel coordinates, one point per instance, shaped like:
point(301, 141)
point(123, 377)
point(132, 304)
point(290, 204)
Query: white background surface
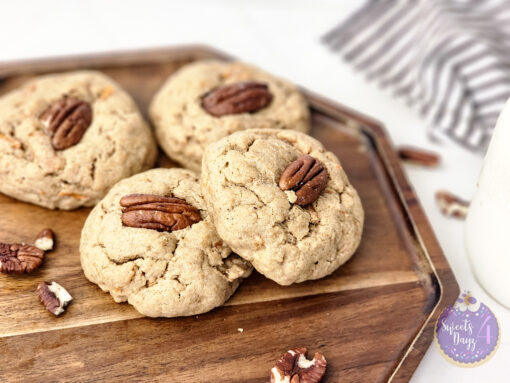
point(282, 37)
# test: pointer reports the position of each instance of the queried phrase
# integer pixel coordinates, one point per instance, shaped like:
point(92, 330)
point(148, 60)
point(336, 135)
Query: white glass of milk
point(487, 231)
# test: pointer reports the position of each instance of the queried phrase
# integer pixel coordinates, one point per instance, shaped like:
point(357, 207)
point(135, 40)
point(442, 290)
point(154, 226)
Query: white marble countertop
point(282, 37)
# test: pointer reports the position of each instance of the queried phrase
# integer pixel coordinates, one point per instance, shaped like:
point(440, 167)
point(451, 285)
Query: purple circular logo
point(467, 333)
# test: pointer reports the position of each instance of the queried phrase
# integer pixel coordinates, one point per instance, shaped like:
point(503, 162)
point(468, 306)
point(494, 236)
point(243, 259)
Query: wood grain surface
point(372, 318)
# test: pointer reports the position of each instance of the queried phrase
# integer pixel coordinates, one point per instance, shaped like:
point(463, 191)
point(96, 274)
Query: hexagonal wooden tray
point(372, 319)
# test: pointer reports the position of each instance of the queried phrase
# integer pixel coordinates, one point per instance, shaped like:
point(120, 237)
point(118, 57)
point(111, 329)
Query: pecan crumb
point(45, 240)
point(418, 156)
point(54, 297)
point(294, 367)
point(18, 258)
point(451, 205)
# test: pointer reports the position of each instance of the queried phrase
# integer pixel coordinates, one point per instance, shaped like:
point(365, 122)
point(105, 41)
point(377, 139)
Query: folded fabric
point(450, 59)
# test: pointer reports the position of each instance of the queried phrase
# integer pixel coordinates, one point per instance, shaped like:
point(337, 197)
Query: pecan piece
point(418, 156)
point(17, 258)
point(15, 144)
point(157, 212)
point(54, 297)
point(294, 367)
point(451, 205)
point(239, 97)
point(66, 121)
point(106, 92)
point(45, 240)
point(307, 177)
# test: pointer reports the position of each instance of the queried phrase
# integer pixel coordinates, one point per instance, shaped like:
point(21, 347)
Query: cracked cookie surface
point(183, 127)
point(117, 144)
point(260, 222)
point(184, 272)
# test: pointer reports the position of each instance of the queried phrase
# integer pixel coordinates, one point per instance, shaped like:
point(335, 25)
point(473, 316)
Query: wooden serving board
point(372, 319)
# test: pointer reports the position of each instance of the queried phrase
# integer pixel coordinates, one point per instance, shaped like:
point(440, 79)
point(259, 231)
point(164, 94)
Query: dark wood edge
point(448, 287)
point(117, 58)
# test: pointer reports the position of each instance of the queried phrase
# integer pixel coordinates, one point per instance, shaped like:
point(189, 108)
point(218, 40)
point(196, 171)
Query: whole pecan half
point(54, 297)
point(17, 258)
point(294, 367)
point(307, 177)
point(66, 121)
point(239, 97)
point(157, 212)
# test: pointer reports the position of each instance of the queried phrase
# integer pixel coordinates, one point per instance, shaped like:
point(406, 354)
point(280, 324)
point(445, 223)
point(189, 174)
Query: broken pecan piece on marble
point(418, 156)
point(307, 177)
point(54, 297)
point(239, 97)
point(157, 212)
point(66, 121)
point(17, 258)
point(294, 367)
point(451, 205)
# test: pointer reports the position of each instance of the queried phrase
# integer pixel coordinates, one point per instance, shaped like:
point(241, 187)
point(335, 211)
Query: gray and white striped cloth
point(450, 59)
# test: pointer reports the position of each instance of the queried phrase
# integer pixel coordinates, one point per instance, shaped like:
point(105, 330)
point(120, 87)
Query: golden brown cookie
point(294, 229)
point(169, 261)
point(207, 100)
point(65, 139)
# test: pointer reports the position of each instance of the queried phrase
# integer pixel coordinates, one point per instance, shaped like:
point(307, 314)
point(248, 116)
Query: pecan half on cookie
point(66, 121)
point(239, 97)
point(157, 212)
point(17, 258)
point(307, 177)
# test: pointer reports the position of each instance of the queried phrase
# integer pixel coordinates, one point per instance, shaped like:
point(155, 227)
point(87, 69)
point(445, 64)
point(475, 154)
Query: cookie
point(287, 235)
point(65, 139)
point(207, 100)
point(163, 264)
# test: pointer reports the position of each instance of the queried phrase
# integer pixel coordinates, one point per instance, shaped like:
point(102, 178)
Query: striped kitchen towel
point(450, 59)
